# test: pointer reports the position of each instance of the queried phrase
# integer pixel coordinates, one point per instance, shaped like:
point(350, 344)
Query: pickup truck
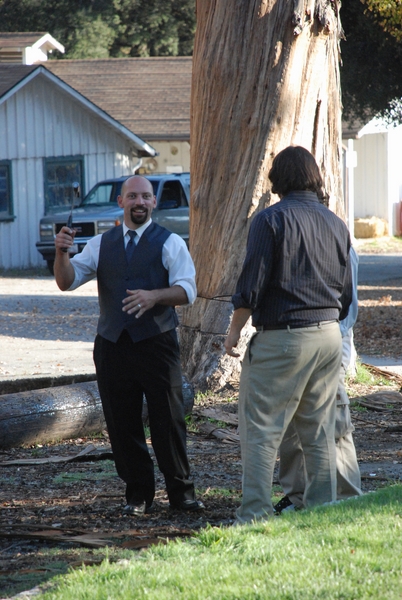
point(99, 211)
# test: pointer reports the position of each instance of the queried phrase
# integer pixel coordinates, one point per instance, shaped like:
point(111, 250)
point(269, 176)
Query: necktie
point(130, 245)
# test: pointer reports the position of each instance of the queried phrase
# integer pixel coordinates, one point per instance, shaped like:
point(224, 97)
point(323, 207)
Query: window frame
point(182, 199)
point(61, 160)
point(8, 214)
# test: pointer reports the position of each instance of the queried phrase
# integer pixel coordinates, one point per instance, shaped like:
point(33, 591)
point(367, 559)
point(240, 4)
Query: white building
point(50, 136)
point(378, 174)
point(86, 120)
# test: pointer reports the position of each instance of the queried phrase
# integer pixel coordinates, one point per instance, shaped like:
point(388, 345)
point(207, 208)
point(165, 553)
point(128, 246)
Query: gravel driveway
point(43, 331)
point(48, 333)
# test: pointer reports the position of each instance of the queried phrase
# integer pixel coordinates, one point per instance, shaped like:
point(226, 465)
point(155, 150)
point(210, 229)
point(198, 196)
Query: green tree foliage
point(74, 23)
point(388, 13)
point(371, 74)
point(154, 28)
point(101, 28)
point(93, 38)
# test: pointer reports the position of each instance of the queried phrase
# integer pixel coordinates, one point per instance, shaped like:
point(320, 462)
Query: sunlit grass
point(349, 550)
point(106, 471)
point(365, 377)
point(217, 493)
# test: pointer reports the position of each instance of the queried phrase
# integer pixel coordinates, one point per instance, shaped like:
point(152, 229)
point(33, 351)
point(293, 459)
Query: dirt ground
point(60, 515)
point(59, 511)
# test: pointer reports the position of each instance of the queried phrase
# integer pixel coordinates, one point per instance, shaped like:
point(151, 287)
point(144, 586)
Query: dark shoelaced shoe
point(137, 509)
point(283, 503)
point(187, 505)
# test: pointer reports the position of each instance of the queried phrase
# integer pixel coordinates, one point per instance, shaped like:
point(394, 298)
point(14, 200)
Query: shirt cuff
point(239, 302)
point(76, 283)
point(189, 289)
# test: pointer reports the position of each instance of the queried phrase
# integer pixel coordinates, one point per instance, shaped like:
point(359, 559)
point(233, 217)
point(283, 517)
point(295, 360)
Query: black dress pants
point(125, 371)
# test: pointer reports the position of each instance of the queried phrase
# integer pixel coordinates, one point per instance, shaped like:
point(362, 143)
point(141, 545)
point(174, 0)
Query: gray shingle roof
point(11, 74)
point(150, 96)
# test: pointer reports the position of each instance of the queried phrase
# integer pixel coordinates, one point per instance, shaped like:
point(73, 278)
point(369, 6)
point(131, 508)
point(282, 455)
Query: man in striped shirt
point(296, 285)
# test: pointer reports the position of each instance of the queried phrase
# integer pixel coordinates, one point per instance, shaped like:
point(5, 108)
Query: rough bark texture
point(42, 416)
point(265, 75)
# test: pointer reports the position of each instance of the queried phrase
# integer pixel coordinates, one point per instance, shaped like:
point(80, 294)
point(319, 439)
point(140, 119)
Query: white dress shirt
point(175, 258)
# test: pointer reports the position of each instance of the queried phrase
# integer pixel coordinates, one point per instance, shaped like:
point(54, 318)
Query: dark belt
point(293, 326)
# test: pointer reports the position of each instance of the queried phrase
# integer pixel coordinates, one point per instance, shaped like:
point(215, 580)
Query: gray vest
point(145, 272)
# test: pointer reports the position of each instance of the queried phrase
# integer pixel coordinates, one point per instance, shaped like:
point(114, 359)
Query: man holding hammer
point(143, 272)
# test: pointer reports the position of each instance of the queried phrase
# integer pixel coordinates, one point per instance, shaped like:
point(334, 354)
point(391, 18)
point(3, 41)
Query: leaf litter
point(62, 503)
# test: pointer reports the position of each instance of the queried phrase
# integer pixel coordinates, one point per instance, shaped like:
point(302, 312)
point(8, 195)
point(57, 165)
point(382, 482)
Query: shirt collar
point(138, 231)
point(302, 195)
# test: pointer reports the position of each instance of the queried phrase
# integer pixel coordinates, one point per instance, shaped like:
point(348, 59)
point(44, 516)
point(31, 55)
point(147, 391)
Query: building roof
point(150, 96)
point(27, 47)
point(14, 76)
point(352, 127)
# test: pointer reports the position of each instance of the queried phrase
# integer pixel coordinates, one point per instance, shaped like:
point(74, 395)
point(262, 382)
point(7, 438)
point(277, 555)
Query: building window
point(59, 176)
point(6, 200)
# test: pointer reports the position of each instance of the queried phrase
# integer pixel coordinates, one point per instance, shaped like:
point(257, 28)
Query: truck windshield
point(106, 193)
point(100, 194)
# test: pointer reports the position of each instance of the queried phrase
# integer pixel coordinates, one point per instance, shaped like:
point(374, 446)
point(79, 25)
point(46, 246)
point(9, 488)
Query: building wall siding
point(371, 176)
point(42, 121)
point(172, 155)
point(395, 179)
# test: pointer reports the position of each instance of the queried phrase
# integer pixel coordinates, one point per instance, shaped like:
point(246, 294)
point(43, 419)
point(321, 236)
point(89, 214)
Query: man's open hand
point(138, 301)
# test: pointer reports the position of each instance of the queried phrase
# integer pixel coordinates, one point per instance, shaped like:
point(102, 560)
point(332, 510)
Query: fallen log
point(219, 415)
point(383, 373)
point(379, 401)
point(50, 414)
point(39, 382)
point(89, 454)
point(224, 435)
point(59, 413)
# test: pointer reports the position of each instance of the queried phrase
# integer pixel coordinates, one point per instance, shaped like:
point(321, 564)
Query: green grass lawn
point(349, 550)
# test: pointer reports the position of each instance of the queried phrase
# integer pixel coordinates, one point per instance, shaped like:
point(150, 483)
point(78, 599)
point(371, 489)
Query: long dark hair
point(295, 168)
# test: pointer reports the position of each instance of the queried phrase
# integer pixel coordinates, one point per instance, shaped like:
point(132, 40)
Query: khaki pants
point(288, 374)
point(292, 475)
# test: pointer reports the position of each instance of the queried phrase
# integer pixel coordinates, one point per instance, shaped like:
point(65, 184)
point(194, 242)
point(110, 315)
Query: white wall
point(395, 178)
point(41, 121)
point(371, 178)
point(378, 175)
point(172, 155)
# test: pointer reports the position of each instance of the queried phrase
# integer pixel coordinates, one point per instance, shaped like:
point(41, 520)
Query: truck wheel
point(50, 265)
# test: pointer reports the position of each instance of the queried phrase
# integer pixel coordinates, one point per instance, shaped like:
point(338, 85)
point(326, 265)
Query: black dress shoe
point(187, 505)
point(137, 509)
point(285, 504)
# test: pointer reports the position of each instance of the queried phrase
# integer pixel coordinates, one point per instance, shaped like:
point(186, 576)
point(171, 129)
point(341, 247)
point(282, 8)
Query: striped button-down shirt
point(296, 270)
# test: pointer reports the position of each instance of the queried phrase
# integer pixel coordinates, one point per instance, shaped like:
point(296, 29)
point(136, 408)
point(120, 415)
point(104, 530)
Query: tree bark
point(265, 76)
point(41, 416)
point(46, 415)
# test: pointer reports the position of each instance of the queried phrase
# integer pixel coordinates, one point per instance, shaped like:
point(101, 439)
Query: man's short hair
point(295, 168)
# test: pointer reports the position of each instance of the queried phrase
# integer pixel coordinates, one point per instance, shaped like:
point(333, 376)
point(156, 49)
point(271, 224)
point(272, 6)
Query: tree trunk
point(41, 416)
point(265, 76)
point(46, 415)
